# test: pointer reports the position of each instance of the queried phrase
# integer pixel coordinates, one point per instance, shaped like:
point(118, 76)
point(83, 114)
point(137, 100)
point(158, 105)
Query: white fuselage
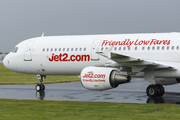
point(68, 55)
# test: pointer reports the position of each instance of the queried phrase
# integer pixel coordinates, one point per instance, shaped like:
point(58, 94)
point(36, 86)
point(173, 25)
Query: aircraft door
point(28, 51)
point(94, 49)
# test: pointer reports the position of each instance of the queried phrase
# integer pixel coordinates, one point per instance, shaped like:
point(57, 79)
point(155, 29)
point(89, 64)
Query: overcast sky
point(23, 19)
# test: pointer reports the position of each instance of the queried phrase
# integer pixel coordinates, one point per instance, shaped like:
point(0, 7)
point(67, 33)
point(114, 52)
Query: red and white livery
point(102, 61)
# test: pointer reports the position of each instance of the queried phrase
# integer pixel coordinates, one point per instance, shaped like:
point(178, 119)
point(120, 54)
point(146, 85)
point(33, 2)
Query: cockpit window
point(15, 50)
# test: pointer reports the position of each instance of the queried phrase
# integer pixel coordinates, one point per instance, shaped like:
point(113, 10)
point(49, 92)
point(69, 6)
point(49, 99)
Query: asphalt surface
point(134, 92)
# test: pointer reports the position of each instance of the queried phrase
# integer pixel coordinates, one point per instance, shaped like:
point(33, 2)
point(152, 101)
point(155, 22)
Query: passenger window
point(102, 49)
point(55, 49)
point(47, 49)
point(51, 49)
point(80, 49)
point(84, 49)
point(67, 49)
point(124, 48)
point(135, 48)
point(43, 49)
point(76, 49)
point(167, 47)
point(63, 49)
point(59, 49)
point(162, 47)
point(172, 47)
point(119, 48)
point(177, 47)
point(143, 48)
point(71, 49)
point(129, 48)
point(148, 47)
point(115, 48)
point(153, 48)
point(158, 48)
point(106, 48)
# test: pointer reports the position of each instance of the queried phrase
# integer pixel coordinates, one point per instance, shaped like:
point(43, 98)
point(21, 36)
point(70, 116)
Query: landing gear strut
point(155, 90)
point(40, 86)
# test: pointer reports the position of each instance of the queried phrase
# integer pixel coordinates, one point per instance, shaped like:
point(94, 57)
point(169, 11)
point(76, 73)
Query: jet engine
point(102, 78)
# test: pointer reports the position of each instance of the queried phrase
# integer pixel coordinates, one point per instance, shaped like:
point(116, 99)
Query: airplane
point(102, 61)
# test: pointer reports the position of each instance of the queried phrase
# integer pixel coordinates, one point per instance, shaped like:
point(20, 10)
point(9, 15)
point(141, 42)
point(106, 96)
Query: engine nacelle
point(102, 78)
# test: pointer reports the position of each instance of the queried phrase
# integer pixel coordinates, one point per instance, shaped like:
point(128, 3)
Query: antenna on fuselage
point(42, 35)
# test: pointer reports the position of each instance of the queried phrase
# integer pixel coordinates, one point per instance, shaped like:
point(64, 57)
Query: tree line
point(3, 53)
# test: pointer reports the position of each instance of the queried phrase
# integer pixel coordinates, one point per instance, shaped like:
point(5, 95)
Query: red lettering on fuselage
point(129, 42)
point(126, 42)
point(159, 42)
point(64, 57)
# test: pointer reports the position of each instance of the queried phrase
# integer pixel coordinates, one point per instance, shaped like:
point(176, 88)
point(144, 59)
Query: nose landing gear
point(40, 86)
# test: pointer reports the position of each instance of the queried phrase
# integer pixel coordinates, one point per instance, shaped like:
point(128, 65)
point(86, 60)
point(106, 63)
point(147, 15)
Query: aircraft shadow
point(40, 95)
point(168, 98)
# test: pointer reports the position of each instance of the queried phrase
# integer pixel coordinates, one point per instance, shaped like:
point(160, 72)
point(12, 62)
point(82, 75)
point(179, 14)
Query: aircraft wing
point(130, 64)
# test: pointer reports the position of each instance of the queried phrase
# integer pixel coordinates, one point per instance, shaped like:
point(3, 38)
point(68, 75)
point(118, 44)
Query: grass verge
point(46, 110)
point(10, 77)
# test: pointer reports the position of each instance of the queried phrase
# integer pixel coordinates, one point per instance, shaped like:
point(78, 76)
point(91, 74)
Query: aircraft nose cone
point(5, 62)
point(9, 62)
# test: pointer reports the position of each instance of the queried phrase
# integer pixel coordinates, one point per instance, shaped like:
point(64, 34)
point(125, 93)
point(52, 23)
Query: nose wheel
point(40, 86)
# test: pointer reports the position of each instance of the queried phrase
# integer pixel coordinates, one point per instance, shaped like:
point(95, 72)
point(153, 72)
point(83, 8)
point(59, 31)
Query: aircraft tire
point(152, 91)
point(40, 87)
point(43, 87)
point(161, 90)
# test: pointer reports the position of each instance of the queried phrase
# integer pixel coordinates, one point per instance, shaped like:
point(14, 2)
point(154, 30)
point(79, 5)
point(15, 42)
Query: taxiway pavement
point(133, 92)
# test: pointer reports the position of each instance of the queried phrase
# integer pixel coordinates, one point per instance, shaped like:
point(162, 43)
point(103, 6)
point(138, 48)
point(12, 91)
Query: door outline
point(94, 49)
point(28, 51)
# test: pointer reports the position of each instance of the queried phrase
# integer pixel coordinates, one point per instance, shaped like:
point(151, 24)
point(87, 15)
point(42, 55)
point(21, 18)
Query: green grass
point(10, 77)
point(1, 59)
point(55, 110)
